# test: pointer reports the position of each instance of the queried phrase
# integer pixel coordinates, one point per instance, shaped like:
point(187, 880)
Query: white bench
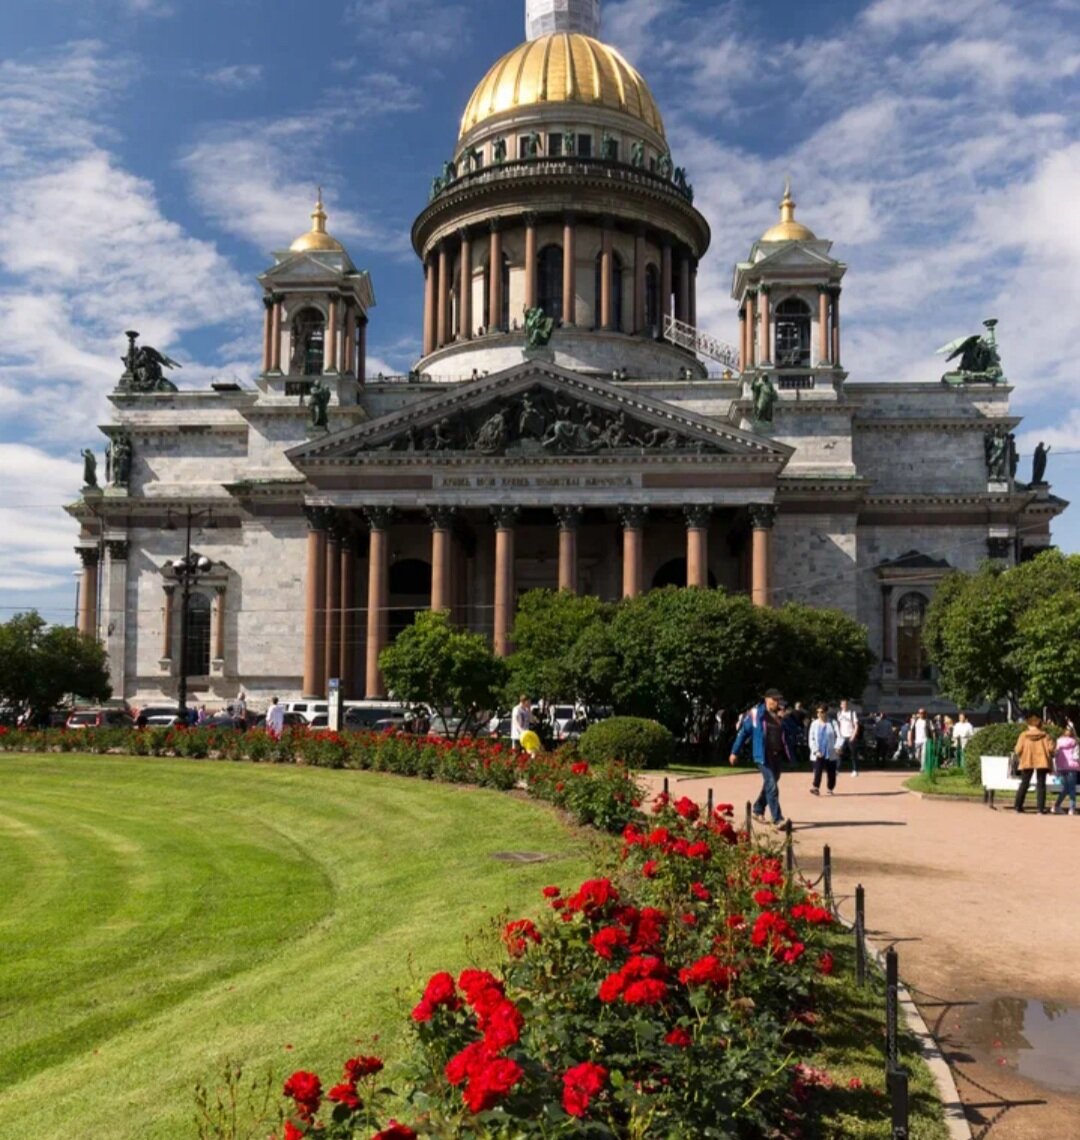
point(996, 777)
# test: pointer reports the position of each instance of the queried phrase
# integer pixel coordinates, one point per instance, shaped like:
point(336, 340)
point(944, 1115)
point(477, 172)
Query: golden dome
point(787, 229)
point(317, 238)
point(562, 68)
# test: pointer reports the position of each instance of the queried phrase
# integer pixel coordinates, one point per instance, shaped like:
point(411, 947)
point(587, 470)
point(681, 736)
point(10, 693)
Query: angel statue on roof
point(979, 358)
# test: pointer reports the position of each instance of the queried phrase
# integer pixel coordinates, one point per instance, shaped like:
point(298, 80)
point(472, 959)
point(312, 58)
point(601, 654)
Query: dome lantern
point(317, 239)
point(543, 17)
point(788, 229)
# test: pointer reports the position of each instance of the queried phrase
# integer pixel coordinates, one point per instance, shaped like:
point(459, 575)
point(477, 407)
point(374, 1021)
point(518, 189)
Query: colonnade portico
point(348, 594)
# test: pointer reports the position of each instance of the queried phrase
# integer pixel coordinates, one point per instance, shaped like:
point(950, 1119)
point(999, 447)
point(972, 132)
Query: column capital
point(221, 591)
point(118, 549)
point(269, 300)
point(742, 313)
point(464, 234)
point(569, 516)
point(531, 217)
point(505, 516)
point(441, 518)
point(319, 518)
point(88, 555)
point(697, 515)
point(570, 217)
point(494, 224)
point(765, 288)
point(835, 291)
point(379, 518)
point(607, 222)
point(169, 588)
point(633, 515)
point(886, 590)
point(762, 515)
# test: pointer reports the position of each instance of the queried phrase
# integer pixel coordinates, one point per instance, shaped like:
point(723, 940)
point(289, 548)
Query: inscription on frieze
point(537, 482)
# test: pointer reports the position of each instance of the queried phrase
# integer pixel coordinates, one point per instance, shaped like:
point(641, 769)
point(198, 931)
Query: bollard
point(896, 1080)
point(749, 818)
point(709, 803)
point(860, 935)
point(826, 876)
point(789, 849)
point(666, 786)
point(892, 1009)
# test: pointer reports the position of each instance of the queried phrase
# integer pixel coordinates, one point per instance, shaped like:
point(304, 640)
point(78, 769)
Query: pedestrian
point(962, 732)
point(847, 721)
point(763, 725)
point(824, 738)
point(275, 719)
point(802, 720)
point(240, 712)
point(202, 717)
point(520, 722)
point(920, 733)
point(1067, 763)
point(1035, 750)
point(883, 738)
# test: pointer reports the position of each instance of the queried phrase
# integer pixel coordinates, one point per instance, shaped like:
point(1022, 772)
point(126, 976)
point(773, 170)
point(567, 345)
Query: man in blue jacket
point(770, 735)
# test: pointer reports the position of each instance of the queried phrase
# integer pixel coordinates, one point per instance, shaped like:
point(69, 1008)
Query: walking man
point(275, 719)
point(764, 726)
point(920, 733)
point(883, 738)
point(240, 712)
point(520, 722)
point(824, 737)
point(847, 721)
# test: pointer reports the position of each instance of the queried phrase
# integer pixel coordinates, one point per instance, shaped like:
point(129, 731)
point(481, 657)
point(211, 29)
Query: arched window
point(793, 334)
point(911, 658)
point(308, 343)
point(549, 293)
point(652, 300)
point(197, 637)
point(616, 291)
point(504, 319)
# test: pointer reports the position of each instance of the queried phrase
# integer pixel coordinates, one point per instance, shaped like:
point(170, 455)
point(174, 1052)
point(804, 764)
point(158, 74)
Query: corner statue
point(89, 471)
point(765, 397)
point(979, 358)
point(538, 328)
point(318, 404)
point(143, 368)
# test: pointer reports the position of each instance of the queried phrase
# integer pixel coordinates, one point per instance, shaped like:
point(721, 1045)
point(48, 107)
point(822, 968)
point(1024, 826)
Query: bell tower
point(543, 17)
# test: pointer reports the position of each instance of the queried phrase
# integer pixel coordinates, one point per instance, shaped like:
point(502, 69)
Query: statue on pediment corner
point(765, 396)
point(89, 471)
point(118, 461)
point(980, 361)
point(996, 445)
point(143, 368)
point(539, 328)
point(319, 405)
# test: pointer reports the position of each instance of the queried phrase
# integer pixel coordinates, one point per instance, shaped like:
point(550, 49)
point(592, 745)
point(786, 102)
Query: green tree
point(432, 663)
point(685, 654)
point(40, 665)
point(1001, 634)
point(824, 654)
point(547, 629)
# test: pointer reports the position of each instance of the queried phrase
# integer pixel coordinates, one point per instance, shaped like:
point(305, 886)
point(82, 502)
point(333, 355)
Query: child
point(1067, 763)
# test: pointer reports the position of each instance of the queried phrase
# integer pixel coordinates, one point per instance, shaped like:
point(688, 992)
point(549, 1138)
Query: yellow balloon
point(530, 741)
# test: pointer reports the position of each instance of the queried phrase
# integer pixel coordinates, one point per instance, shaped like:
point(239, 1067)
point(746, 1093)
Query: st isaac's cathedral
point(569, 424)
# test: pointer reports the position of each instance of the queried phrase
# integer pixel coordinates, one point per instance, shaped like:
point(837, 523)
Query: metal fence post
point(896, 1080)
point(826, 876)
point(749, 818)
point(892, 1008)
point(709, 803)
point(860, 935)
point(789, 849)
point(666, 786)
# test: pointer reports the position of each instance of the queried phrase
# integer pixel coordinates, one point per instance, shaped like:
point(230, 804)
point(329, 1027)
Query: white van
point(316, 713)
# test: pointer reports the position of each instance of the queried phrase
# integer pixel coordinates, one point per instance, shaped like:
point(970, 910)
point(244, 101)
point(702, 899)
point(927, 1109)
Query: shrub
point(634, 741)
point(995, 740)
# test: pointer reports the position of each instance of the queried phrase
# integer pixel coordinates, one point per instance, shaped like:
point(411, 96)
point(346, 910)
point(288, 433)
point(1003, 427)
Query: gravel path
point(980, 904)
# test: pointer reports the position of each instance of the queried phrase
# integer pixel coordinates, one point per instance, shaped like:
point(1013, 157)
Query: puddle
point(1039, 1040)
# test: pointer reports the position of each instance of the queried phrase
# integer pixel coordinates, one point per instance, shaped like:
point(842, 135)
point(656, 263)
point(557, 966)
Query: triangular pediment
point(537, 409)
point(793, 255)
point(305, 267)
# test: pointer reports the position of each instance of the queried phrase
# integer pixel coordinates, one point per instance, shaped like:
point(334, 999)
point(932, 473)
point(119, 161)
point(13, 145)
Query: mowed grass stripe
point(270, 906)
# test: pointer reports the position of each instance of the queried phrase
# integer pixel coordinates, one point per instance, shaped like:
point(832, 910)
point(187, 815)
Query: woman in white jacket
point(824, 741)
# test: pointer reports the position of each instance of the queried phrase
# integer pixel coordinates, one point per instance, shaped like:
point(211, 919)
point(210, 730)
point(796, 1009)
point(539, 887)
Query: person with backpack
point(772, 742)
point(1035, 750)
point(1067, 763)
point(824, 738)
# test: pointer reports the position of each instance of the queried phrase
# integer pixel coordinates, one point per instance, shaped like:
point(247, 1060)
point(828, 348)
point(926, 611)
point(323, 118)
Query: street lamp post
point(187, 571)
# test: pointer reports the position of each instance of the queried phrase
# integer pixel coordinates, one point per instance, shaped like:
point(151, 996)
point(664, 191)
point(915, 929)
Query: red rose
point(488, 1084)
point(764, 898)
point(687, 808)
point(661, 802)
point(826, 964)
point(580, 768)
point(606, 939)
point(501, 1025)
point(470, 1060)
point(707, 971)
point(649, 991)
point(593, 895)
point(357, 1068)
point(580, 1085)
point(551, 892)
point(475, 983)
point(648, 870)
point(735, 922)
point(344, 1094)
point(611, 987)
point(679, 1038)
point(659, 837)
point(395, 1131)
point(292, 1132)
point(700, 850)
point(519, 934)
point(305, 1089)
point(700, 891)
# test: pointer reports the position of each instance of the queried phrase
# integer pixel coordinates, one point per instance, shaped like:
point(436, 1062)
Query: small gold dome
point(317, 239)
point(787, 229)
point(562, 68)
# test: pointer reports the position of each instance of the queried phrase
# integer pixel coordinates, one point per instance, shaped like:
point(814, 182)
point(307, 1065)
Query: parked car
point(366, 715)
point(157, 715)
point(100, 718)
point(309, 710)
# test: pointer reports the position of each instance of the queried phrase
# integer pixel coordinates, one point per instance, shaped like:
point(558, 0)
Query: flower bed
point(599, 795)
point(674, 998)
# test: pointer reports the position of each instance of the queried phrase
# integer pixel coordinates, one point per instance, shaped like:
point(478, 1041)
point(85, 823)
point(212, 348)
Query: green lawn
point(157, 916)
point(946, 782)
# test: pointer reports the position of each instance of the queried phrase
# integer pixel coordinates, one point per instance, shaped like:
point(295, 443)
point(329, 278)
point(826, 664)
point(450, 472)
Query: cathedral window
point(549, 291)
point(554, 145)
point(197, 636)
point(911, 657)
point(584, 146)
point(652, 300)
point(793, 334)
point(308, 343)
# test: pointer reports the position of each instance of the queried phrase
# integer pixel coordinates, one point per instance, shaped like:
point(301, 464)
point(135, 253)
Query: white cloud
point(234, 77)
point(408, 30)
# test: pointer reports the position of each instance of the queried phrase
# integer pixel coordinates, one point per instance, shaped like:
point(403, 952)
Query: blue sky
point(152, 152)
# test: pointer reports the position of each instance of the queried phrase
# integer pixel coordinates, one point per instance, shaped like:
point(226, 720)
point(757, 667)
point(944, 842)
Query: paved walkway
point(980, 905)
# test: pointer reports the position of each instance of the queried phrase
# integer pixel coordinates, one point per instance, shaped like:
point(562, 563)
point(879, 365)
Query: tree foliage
point(40, 665)
point(432, 663)
point(1009, 634)
point(824, 654)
